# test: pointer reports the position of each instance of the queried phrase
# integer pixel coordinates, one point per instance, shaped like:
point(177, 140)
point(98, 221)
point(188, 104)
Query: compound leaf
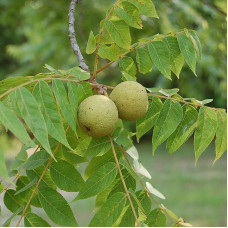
point(205, 131)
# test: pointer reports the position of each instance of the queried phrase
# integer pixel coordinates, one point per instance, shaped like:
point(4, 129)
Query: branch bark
point(72, 37)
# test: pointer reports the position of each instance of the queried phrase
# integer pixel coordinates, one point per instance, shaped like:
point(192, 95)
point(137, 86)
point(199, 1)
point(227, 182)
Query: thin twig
point(38, 183)
point(99, 39)
point(94, 85)
point(123, 181)
point(72, 37)
point(181, 101)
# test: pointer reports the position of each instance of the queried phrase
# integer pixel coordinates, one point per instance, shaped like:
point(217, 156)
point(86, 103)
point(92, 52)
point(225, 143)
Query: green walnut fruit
point(97, 116)
point(131, 100)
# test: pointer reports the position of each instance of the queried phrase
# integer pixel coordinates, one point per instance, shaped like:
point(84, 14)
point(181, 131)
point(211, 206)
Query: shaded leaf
point(156, 218)
point(167, 122)
point(8, 221)
point(110, 211)
point(56, 207)
point(144, 124)
point(20, 159)
point(205, 131)
point(93, 146)
point(197, 41)
point(84, 91)
point(176, 58)
point(48, 107)
point(33, 220)
point(3, 169)
point(98, 181)
point(184, 130)
point(65, 176)
point(11, 122)
point(36, 160)
point(61, 97)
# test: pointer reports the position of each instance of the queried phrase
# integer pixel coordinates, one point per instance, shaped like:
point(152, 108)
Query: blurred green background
point(35, 32)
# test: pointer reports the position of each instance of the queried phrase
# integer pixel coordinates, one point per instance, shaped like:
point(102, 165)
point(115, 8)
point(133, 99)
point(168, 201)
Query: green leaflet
point(56, 207)
point(33, 220)
point(167, 122)
point(144, 200)
point(146, 7)
point(184, 130)
point(160, 55)
point(97, 162)
point(25, 186)
point(11, 122)
point(12, 202)
point(46, 180)
point(187, 49)
point(127, 77)
point(36, 160)
point(194, 37)
point(45, 99)
point(176, 58)
point(80, 74)
point(130, 14)
point(8, 221)
point(111, 52)
point(91, 45)
point(128, 168)
point(3, 169)
point(84, 91)
point(144, 61)
point(98, 181)
point(20, 159)
point(93, 146)
point(129, 180)
point(128, 65)
point(156, 218)
point(73, 97)
point(221, 135)
point(205, 131)
point(61, 98)
point(119, 32)
point(65, 176)
point(33, 117)
point(110, 211)
point(144, 124)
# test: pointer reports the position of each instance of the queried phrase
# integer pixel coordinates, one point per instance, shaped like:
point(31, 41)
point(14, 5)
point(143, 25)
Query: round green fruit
point(97, 116)
point(131, 100)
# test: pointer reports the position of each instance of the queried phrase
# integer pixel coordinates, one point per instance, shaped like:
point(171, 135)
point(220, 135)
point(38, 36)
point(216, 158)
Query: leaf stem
point(40, 179)
point(123, 181)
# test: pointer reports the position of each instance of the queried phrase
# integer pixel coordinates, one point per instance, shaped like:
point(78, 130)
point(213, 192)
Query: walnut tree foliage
point(41, 111)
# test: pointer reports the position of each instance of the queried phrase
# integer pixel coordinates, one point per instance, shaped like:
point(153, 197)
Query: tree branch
point(72, 37)
point(123, 181)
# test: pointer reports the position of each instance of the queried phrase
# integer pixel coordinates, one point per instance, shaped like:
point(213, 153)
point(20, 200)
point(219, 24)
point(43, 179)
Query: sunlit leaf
point(167, 122)
point(160, 55)
point(111, 52)
point(144, 61)
point(33, 117)
point(128, 65)
point(91, 45)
